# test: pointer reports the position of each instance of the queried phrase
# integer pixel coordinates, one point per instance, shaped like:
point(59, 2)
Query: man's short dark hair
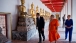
point(52, 15)
point(38, 14)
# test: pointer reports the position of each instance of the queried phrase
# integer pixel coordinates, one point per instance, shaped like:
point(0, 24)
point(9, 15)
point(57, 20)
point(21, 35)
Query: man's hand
point(36, 27)
point(42, 29)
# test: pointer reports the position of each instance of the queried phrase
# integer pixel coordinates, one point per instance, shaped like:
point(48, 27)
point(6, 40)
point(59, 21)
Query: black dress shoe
point(65, 38)
point(44, 39)
point(69, 41)
point(39, 42)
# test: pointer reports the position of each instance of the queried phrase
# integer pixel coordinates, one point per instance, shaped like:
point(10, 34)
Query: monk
point(53, 27)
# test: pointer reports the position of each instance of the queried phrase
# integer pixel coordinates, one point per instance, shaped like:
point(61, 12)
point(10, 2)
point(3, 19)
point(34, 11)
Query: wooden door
point(3, 24)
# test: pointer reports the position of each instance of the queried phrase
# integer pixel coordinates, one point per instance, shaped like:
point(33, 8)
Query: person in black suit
point(63, 21)
point(40, 26)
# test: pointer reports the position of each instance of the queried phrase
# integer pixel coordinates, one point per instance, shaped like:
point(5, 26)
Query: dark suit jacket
point(40, 23)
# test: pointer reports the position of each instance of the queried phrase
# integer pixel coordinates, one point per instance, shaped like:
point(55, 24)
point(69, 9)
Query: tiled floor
point(61, 40)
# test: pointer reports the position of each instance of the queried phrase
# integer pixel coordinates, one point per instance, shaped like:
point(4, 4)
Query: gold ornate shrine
point(25, 25)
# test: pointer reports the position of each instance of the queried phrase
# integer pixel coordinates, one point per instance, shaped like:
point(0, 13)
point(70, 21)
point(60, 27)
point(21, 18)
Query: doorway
point(5, 24)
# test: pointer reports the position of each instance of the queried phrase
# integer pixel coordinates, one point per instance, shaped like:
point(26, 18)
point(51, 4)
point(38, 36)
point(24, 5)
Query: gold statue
point(41, 11)
point(37, 9)
point(45, 13)
point(22, 8)
point(32, 6)
point(32, 11)
point(57, 15)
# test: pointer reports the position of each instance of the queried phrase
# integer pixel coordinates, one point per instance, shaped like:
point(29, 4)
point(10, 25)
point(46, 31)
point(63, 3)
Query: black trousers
point(41, 34)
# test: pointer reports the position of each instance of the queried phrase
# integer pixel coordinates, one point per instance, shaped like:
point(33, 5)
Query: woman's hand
point(69, 27)
point(36, 27)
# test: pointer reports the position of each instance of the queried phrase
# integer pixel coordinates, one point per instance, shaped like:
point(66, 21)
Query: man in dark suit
point(63, 20)
point(40, 26)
